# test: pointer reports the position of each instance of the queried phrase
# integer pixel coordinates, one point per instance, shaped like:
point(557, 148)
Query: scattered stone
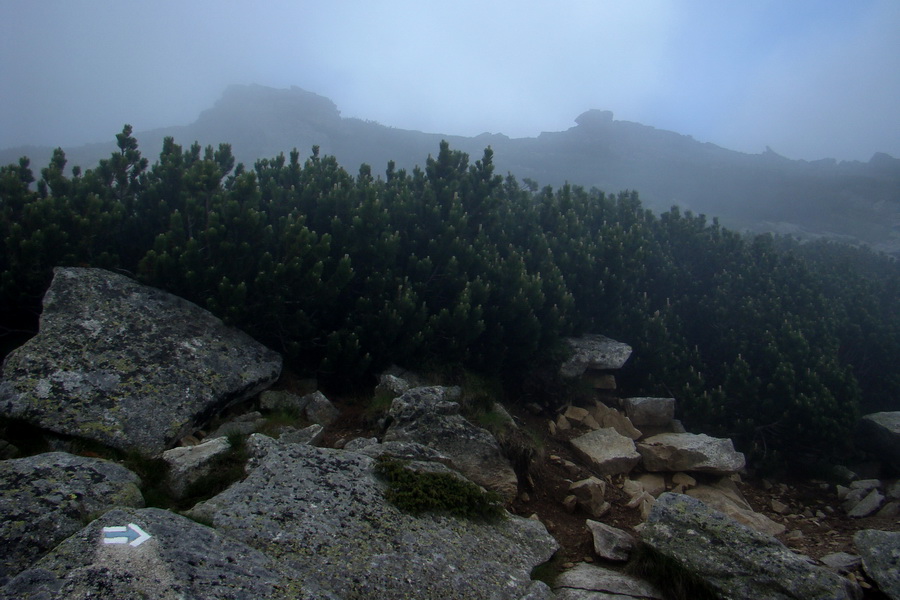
point(312, 435)
point(320, 410)
point(429, 416)
point(591, 423)
point(866, 484)
point(683, 479)
point(610, 542)
point(607, 452)
point(323, 512)
point(880, 552)
point(690, 452)
point(609, 417)
point(652, 483)
point(879, 433)
point(594, 352)
point(591, 494)
point(889, 510)
point(576, 414)
point(551, 427)
point(391, 386)
point(129, 366)
point(735, 560)
point(650, 412)
point(241, 425)
point(866, 506)
point(892, 490)
point(190, 463)
point(570, 503)
point(779, 507)
point(181, 559)
point(48, 497)
point(586, 581)
point(842, 562)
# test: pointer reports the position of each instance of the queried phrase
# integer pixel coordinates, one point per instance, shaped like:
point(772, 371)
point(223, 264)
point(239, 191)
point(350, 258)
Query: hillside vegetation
point(777, 344)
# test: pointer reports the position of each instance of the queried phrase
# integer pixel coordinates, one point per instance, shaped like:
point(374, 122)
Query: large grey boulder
point(180, 559)
point(591, 582)
point(879, 433)
point(430, 416)
point(736, 561)
point(606, 452)
point(594, 352)
point(48, 497)
point(675, 452)
point(323, 512)
point(880, 552)
point(129, 366)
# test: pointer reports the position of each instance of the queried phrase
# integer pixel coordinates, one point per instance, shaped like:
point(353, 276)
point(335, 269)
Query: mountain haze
point(853, 201)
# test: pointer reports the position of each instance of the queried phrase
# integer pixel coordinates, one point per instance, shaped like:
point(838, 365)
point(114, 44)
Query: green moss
point(436, 492)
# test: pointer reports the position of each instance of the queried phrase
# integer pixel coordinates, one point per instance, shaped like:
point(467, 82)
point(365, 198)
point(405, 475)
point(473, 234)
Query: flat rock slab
point(675, 452)
point(323, 512)
point(181, 559)
point(880, 553)
point(606, 451)
point(46, 498)
point(596, 352)
point(129, 366)
point(736, 561)
point(725, 497)
point(591, 582)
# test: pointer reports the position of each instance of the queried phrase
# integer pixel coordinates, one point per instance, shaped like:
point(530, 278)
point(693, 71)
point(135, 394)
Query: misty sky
point(810, 78)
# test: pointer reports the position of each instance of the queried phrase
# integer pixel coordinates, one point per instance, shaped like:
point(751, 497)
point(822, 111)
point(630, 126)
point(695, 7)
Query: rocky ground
point(808, 508)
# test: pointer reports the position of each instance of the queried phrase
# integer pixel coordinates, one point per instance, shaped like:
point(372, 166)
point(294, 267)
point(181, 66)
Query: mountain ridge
point(853, 201)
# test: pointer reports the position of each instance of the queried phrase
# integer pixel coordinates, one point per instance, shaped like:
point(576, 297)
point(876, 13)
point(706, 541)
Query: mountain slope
point(855, 201)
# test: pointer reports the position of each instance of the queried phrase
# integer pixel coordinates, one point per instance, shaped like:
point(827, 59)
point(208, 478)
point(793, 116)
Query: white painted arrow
point(133, 535)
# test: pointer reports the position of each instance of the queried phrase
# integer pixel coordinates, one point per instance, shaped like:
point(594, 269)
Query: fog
point(810, 79)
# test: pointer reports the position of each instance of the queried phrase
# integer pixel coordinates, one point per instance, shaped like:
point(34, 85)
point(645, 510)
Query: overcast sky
point(810, 78)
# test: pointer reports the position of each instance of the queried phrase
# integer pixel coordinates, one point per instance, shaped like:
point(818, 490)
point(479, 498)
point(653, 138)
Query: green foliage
point(419, 492)
point(774, 343)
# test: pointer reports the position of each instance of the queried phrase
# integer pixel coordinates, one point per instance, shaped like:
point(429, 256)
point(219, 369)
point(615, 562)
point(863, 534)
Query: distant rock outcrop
point(129, 366)
point(46, 498)
point(323, 512)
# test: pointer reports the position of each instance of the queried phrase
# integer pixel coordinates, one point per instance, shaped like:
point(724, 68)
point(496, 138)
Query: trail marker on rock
point(131, 534)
